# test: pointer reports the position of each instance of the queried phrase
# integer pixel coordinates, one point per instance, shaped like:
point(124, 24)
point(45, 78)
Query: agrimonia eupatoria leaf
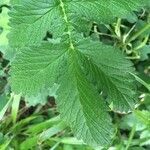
point(90, 75)
point(79, 103)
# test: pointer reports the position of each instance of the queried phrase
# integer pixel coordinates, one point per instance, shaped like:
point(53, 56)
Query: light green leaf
point(35, 129)
point(145, 135)
point(15, 107)
point(5, 107)
point(144, 117)
point(47, 134)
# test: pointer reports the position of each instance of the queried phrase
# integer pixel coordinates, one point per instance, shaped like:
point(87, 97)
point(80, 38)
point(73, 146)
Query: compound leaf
point(76, 64)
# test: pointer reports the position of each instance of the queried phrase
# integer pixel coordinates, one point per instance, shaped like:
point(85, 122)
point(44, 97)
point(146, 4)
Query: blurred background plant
point(27, 126)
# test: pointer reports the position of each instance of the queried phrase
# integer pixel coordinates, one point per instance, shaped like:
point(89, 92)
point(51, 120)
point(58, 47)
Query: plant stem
point(130, 137)
point(15, 107)
point(117, 28)
point(143, 43)
point(5, 5)
point(127, 35)
point(145, 28)
point(141, 81)
point(3, 111)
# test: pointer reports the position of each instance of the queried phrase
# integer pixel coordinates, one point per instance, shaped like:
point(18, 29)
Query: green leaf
point(30, 22)
point(47, 134)
point(111, 71)
point(68, 140)
point(82, 107)
point(143, 117)
point(37, 68)
point(29, 81)
point(130, 120)
point(90, 76)
point(37, 128)
point(84, 100)
point(35, 20)
point(144, 52)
